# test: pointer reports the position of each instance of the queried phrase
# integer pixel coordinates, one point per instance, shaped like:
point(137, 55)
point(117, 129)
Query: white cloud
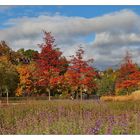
point(116, 39)
point(114, 34)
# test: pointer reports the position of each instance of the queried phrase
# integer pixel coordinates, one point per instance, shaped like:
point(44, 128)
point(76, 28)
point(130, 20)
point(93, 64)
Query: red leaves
point(127, 84)
point(54, 81)
point(79, 73)
point(129, 75)
point(48, 62)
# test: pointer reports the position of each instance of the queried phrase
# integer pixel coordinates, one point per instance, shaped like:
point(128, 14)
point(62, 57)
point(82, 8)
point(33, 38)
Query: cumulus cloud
point(114, 34)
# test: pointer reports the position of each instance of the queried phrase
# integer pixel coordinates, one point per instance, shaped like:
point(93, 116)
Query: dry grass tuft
point(133, 97)
point(116, 98)
point(107, 98)
point(123, 98)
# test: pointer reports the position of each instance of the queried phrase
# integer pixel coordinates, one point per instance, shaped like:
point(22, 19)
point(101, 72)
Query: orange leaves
point(19, 91)
point(54, 81)
point(127, 84)
point(79, 73)
point(24, 74)
point(129, 75)
point(25, 80)
point(133, 80)
point(72, 78)
point(135, 75)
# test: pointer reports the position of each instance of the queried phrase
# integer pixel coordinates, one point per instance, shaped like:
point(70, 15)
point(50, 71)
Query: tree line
point(48, 72)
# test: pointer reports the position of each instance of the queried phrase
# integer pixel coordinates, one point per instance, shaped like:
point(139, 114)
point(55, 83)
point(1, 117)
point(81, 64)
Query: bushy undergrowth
point(70, 117)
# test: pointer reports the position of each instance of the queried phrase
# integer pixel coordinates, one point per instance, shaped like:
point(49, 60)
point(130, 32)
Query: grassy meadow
point(70, 117)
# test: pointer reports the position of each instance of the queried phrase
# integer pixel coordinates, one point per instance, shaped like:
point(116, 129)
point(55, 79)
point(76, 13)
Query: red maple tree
point(80, 75)
point(128, 75)
point(49, 64)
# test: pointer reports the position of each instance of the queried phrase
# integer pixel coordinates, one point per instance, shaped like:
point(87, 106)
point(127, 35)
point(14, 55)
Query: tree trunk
point(49, 92)
point(0, 92)
point(81, 95)
point(7, 95)
point(77, 95)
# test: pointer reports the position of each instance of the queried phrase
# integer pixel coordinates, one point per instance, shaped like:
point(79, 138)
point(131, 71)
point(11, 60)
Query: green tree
point(106, 84)
point(28, 54)
point(8, 78)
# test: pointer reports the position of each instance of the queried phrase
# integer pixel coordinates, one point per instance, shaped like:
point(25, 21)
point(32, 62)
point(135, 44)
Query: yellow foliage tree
point(25, 85)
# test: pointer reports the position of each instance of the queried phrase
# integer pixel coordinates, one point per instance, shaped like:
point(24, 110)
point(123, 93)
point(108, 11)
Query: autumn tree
point(26, 83)
point(128, 76)
point(8, 53)
point(80, 75)
point(5, 50)
point(48, 64)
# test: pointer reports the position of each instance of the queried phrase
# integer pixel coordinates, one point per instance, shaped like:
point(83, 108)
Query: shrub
point(106, 85)
point(126, 91)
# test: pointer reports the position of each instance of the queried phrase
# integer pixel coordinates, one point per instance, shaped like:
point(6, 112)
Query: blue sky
point(105, 32)
point(82, 11)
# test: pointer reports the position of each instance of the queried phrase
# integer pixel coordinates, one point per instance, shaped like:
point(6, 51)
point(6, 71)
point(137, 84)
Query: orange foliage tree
point(80, 75)
point(128, 75)
point(25, 85)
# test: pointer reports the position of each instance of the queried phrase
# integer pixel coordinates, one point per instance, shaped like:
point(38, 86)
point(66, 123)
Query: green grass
point(70, 117)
